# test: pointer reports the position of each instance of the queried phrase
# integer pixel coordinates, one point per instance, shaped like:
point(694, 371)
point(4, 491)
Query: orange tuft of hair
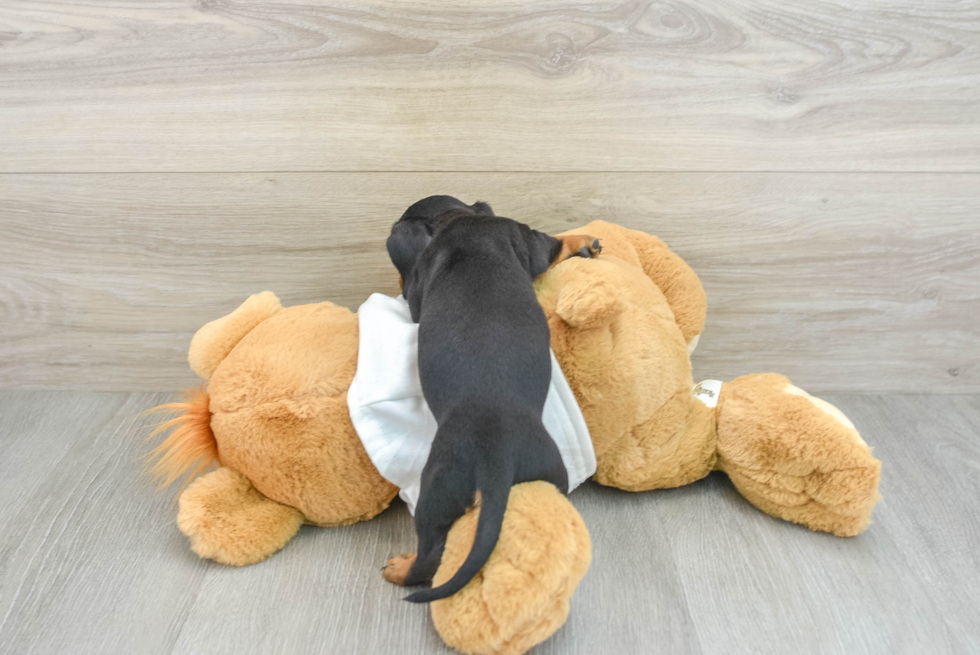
point(190, 445)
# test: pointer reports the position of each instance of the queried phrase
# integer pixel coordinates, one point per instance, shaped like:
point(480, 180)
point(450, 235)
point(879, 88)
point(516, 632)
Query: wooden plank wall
point(818, 164)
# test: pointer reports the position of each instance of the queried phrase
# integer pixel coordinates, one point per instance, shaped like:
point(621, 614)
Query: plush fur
point(809, 467)
point(621, 326)
point(492, 614)
point(229, 521)
point(190, 447)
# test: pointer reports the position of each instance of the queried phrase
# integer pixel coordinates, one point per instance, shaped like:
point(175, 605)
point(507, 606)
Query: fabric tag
point(708, 392)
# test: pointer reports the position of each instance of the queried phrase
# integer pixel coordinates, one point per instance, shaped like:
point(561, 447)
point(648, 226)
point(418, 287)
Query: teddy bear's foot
point(521, 596)
point(795, 456)
point(397, 568)
point(230, 521)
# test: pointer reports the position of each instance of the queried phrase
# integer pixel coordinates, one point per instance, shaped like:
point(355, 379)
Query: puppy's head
point(414, 230)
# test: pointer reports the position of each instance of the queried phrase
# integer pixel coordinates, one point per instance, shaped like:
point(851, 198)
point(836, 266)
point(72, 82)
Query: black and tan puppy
point(485, 369)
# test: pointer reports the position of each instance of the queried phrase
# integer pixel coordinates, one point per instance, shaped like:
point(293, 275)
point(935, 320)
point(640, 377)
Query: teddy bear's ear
point(212, 343)
point(592, 301)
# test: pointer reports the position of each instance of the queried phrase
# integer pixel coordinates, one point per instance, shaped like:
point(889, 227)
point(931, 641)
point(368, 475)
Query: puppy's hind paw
point(397, 568)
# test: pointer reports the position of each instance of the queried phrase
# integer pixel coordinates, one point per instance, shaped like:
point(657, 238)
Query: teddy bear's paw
point(795, 456)
point(397, 568)
point(230, 521)
point(521, 596)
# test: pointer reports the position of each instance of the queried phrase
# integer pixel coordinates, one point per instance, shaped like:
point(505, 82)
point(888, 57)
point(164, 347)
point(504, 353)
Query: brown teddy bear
point(275, 419)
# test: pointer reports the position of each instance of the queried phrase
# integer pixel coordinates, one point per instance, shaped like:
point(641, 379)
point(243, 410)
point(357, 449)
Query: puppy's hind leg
point(410, 569)
point(427, 562)
point(447, 490)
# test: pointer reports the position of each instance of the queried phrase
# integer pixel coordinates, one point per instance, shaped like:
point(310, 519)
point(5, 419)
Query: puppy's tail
point(494, 485)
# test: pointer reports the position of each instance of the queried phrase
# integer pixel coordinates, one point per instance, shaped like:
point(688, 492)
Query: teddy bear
point(274, 419)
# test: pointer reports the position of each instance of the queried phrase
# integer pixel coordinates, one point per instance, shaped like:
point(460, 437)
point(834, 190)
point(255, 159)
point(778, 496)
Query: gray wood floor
point(92, 562)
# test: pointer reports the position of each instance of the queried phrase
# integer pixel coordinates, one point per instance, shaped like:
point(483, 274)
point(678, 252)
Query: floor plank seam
point(657, 171)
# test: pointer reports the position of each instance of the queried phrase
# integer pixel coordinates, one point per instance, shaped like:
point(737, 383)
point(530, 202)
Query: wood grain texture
point(227, 85)
point(92, 561)
point(864, 282)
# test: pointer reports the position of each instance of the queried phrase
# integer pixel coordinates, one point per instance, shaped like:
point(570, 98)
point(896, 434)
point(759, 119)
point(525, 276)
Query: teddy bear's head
point(615, 334)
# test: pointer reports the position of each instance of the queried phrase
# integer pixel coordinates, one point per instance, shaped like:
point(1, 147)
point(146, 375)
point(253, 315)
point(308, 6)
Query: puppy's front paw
point(398, 567)
point(591, 250)
point(578, 245)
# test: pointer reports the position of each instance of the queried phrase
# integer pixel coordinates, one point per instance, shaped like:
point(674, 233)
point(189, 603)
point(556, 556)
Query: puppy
point(485, 368)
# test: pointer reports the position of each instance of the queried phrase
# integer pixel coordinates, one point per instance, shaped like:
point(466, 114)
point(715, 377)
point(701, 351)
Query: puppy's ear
point(542, 250)
point(407, 241)
point(405, 245)
point(412, 293)
point(481, 208)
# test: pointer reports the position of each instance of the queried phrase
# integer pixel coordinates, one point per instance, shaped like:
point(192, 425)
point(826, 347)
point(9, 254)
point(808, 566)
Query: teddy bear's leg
point(794, 456)
point(674, 447)
point(521, 596)
point(229, 521)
